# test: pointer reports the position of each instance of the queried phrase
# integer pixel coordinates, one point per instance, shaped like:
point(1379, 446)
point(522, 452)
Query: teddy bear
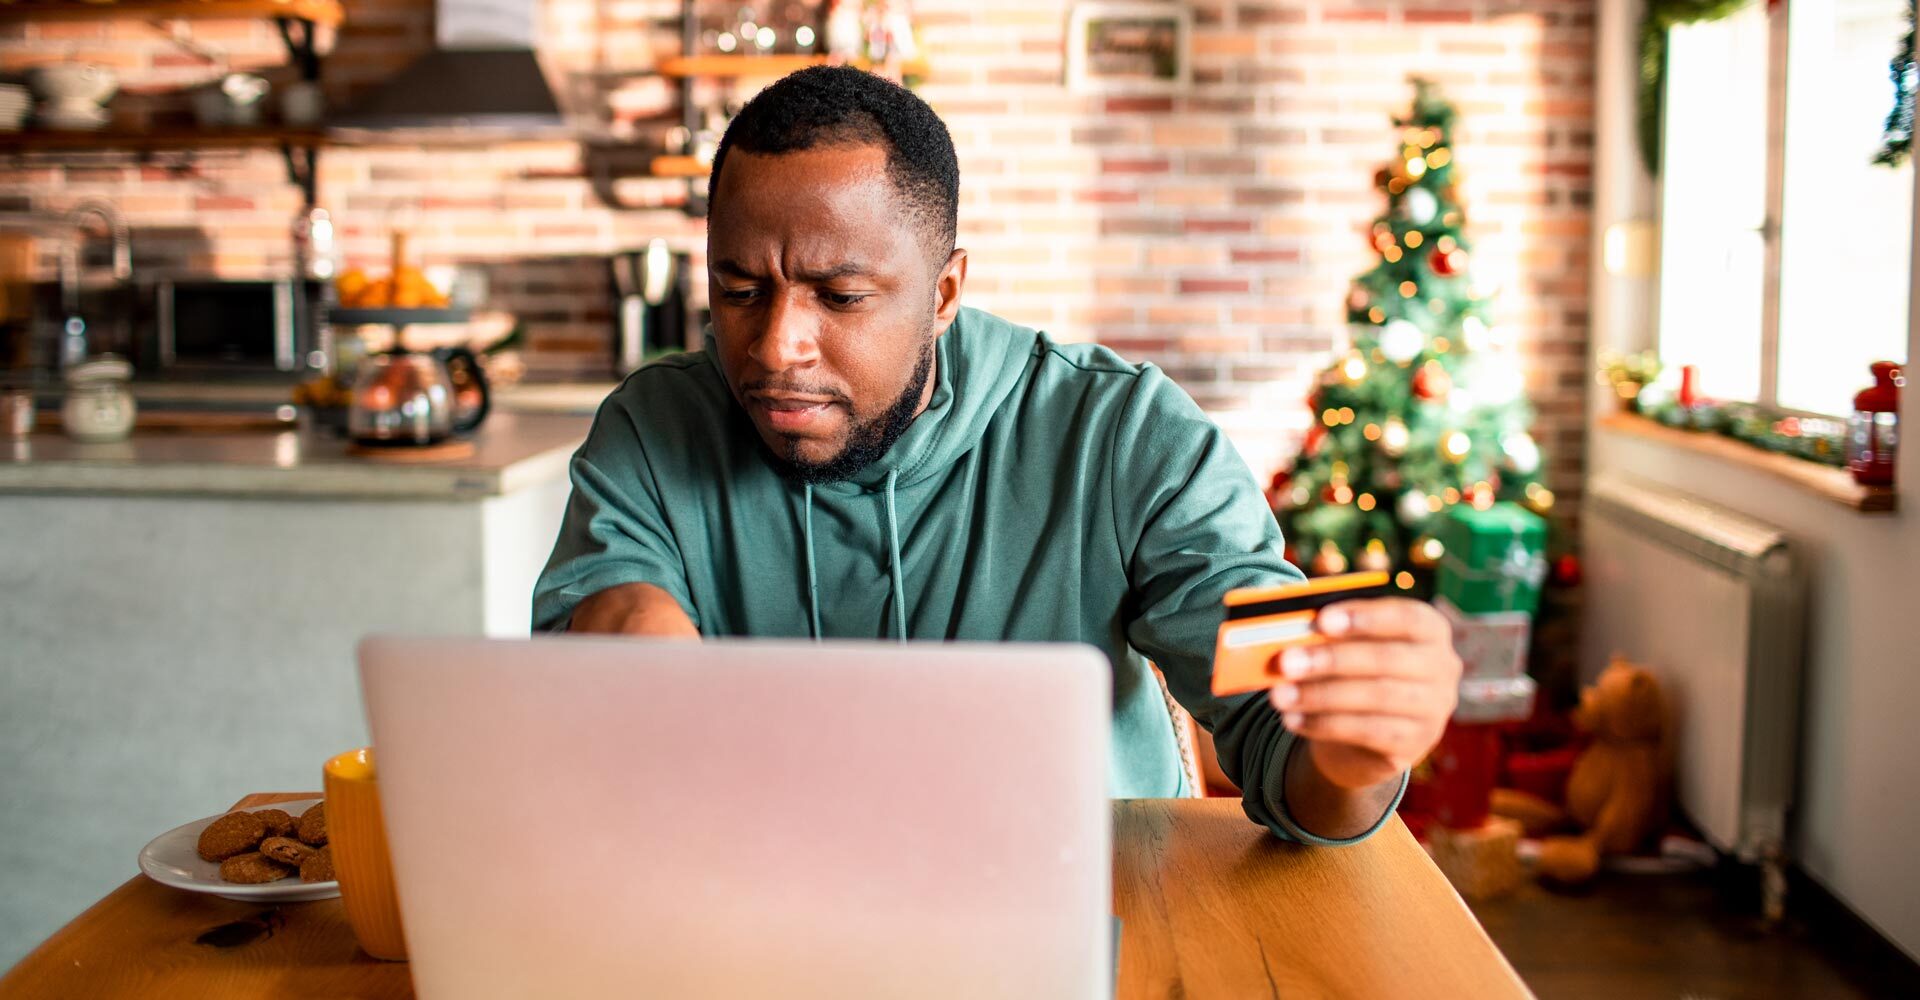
point(1618, 790)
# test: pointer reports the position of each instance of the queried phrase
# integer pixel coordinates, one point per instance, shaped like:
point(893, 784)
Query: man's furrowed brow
point(816, 276)
point(810, 276)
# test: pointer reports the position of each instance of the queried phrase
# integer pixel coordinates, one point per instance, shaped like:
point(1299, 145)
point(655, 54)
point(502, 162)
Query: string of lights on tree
point(1426, 408)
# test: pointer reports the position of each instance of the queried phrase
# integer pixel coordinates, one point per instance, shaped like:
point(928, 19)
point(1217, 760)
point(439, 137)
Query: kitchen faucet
point(73, 329)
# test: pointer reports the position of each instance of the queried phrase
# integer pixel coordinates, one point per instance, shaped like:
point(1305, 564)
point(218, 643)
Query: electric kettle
point(402, 398)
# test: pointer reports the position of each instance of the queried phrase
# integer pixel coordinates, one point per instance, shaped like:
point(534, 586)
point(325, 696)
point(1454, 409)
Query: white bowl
point(67, 83)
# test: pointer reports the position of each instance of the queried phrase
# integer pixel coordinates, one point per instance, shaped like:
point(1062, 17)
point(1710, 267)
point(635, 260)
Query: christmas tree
point(1425, 409)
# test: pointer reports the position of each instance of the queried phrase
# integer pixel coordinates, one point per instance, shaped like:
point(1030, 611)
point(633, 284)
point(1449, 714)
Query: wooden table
point(1212, 906)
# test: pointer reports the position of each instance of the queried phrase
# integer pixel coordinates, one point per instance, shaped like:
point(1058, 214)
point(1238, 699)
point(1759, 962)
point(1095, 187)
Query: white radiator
point(1713, 603)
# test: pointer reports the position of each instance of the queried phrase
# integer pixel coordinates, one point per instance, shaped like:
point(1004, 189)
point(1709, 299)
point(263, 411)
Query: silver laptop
point(586, 817)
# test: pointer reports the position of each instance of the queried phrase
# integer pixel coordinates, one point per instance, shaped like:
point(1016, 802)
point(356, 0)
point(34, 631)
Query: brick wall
point(1213, 232)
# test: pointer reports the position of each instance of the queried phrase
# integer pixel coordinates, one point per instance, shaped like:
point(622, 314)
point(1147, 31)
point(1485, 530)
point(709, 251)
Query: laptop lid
point(588, 816)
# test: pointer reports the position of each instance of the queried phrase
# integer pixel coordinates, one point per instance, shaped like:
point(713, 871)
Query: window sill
point(1823, 481)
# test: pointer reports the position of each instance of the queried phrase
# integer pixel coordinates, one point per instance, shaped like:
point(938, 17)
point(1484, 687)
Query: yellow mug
point(358, 833)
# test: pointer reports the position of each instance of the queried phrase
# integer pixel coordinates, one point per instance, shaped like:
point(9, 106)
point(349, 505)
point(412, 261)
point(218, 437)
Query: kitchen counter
point(576, 398)
point(179, 611)
point(513, 450)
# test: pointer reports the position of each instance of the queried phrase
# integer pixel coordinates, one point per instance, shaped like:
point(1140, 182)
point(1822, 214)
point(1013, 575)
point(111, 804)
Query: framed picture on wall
point(1137, 46)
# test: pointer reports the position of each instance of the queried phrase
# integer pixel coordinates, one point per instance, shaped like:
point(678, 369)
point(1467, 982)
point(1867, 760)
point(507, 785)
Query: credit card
point(1262, 621)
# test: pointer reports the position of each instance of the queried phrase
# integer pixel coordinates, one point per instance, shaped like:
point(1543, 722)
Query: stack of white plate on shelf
point(15, 102)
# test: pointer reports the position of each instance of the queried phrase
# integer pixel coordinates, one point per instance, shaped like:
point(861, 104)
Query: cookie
point(313, 825)
point(280, 823)
point(233, 834)
point(318, 867)
point(285, 850)
point(253, 868)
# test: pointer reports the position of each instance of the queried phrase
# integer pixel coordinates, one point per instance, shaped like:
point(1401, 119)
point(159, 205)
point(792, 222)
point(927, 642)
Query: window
point(1778, 117)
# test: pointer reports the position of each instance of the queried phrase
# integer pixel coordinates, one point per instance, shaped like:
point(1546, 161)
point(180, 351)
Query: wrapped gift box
point(1482, 862)
point(1490, 646)
point(1494, 686)
point(1494, 559)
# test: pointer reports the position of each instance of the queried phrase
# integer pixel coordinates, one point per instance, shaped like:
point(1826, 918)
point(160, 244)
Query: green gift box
point(1494, 559)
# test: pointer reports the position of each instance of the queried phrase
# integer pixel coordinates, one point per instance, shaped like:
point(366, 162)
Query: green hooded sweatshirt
point(1049, 492)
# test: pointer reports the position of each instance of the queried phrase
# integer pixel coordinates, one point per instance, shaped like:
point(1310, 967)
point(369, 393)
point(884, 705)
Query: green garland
point(1899, 131)
point(1660, 17)
point(1814, 439)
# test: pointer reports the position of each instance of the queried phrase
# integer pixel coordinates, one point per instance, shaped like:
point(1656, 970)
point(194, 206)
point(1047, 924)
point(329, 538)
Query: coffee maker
point(650, 304)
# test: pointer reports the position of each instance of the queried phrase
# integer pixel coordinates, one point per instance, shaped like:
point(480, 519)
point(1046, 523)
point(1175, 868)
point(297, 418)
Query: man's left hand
point(1374, 699)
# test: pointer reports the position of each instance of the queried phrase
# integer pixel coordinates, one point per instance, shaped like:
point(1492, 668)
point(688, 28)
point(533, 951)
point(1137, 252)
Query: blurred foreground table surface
point(1212, 906)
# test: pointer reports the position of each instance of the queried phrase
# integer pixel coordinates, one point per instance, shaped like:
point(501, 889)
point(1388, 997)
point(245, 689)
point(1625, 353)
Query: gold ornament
point(1393, 437)
point(1371, 432)
point(1365, 502)
point(1442, 345)
point(1391, 254)
point(1439, 158)
point(1446, 244)
point(1377, 314)
point(1403, 580)
point(1416, 167)
point(1374, 558)
point(1329, 561)
point(1427, 138)
point(1408, 289)
point(1346, 414)
point(1330, 417)
point(1539, 498)
point(1414, 239)
point(1355, 368)
point(1396, 186)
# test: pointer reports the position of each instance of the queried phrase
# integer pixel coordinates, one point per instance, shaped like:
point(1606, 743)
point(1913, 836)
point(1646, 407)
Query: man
point(856, 455)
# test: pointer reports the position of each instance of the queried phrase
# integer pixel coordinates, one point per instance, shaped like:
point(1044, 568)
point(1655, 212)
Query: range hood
point(482, 75)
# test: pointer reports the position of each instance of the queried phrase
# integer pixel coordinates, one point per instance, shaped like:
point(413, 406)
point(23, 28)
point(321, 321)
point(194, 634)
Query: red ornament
point(1315, 438)
point(1448, 263)
point(1689, 386)
point(1566, 570)
point(1313, 402)
point(1432, 381)
point(1873, 438)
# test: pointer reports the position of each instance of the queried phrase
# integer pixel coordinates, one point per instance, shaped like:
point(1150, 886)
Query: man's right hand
point(633, 609)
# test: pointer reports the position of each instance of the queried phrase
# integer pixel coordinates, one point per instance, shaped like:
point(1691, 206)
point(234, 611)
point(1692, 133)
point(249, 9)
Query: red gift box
point(1465, 765)
point(1542, 773)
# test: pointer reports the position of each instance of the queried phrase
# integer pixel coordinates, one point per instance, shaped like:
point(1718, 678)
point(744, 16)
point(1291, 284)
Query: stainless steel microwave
point(240, 326)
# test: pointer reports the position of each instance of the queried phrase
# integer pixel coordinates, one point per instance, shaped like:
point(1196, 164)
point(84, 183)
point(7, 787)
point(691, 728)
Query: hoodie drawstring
point(899, 579)
point(894, 568)
point(813, 579)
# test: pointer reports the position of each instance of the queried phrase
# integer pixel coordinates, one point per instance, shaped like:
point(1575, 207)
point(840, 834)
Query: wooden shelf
point(326, 12)
point(678, 166)
point(159, 140)
point(736, 66)
point(1826, 481)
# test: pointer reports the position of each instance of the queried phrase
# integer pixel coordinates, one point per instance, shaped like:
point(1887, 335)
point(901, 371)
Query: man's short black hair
point(825, 106)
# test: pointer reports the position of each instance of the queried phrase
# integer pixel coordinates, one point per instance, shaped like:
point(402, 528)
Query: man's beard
point(866, 442)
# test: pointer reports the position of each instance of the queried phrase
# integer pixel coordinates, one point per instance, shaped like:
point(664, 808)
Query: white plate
point(173, 859)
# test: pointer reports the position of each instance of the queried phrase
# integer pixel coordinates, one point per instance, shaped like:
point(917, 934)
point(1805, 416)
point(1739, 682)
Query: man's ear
point(946, 290)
